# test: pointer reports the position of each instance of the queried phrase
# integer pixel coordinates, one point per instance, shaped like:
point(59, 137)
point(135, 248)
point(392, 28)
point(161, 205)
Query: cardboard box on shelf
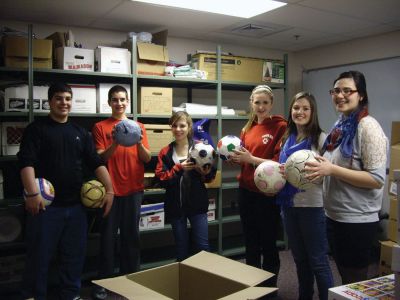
point(16, 98)
point(151, 58)
point(84, 98)
point(11, 136)
point(377, 288)
point(393, 208)
point(211, 215)
point(151, 216)
point(102, 97)
point(273, 71)
point(392, 230)
point(113, 60)
point(394, 159)
point(233, 68)
point(16, 52)
point(78, 59)
point(202, 276)
point(155, 101)
point(158, 136)
point(216, 183)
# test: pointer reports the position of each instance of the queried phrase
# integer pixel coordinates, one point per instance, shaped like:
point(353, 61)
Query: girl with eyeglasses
point(302, 211)
point(354, 167)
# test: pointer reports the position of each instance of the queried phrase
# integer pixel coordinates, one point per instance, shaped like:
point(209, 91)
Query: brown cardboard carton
point(16, 52)
point(203, 276)
point(155, 101)
point(233, 68)
point(158, 136)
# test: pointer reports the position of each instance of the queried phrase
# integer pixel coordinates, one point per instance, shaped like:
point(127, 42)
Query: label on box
point(393, 188)
point(211, 215)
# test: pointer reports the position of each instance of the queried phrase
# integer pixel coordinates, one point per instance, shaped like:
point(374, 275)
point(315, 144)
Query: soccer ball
point(46, 190)
point(202, 154)
point(127, 133)
point(227, 144)
point(92, 193)
point(294, 168)
point(267, 177)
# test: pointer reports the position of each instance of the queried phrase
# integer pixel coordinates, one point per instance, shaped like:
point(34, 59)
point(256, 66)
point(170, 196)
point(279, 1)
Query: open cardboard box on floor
point(204, 276)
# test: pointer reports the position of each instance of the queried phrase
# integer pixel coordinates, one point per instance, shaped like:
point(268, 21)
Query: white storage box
point(83, 98)
point(78, 59)
point(11, 135)
point(16, 98)
point(102, 97)
point(113, 60)
point(211, 215)
point(151, 216)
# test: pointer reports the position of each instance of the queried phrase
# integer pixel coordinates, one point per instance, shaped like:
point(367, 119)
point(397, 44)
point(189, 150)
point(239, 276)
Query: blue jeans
point(260, 218)
point(61, 229)
point(306, 231)
point(199, 235)
point(125, 216)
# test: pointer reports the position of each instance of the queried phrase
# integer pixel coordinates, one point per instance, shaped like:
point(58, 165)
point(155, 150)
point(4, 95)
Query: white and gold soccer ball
point(294, 169)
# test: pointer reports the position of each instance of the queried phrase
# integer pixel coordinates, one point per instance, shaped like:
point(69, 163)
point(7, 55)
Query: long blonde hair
point(259, 89)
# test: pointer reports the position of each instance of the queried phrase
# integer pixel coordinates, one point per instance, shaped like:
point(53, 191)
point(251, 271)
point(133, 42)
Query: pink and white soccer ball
point(267, 177)
point(202, 154)
point(294, 169)
point(46, 190)
point(227, 144)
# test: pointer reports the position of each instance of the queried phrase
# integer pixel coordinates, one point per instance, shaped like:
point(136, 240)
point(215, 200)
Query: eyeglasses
point(344, 91)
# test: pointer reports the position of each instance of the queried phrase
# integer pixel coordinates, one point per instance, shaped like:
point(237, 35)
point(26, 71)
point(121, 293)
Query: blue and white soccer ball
point(46, 190)
point(127, 133)
point(294, 169)
point(227, 144)
point(202, 154)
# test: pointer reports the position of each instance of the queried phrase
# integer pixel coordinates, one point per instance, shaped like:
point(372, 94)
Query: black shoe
point(99, 293)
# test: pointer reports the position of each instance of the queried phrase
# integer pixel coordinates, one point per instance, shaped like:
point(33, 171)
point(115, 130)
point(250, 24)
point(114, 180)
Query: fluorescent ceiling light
point(236, 8)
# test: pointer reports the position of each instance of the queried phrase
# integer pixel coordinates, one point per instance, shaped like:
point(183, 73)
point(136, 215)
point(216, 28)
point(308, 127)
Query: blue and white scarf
point(286, 195)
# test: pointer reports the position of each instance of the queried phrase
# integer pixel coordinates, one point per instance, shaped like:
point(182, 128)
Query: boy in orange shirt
point(126, 168)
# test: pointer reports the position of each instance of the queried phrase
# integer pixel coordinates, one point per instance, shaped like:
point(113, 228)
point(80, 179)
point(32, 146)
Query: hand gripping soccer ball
point(227, 144)
point(127, 133)
point(294, 168)
point(46, 190)
point(202, 154)
point(267, 177)
point(92, 193)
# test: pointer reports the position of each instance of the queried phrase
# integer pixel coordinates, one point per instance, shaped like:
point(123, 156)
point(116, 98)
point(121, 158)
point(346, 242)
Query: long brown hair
point(259, 89)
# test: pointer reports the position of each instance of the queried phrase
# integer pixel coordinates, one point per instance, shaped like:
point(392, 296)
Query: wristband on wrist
point(30, 195)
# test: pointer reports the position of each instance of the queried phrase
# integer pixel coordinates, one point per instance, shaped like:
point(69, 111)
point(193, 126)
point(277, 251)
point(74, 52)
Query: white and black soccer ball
point(202, 154)
point(294, 169)
point(268, 178)
point(227, 144)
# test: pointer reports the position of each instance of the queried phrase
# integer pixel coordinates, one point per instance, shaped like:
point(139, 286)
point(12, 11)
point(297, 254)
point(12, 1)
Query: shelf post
point(134, 92)
point(30, 73)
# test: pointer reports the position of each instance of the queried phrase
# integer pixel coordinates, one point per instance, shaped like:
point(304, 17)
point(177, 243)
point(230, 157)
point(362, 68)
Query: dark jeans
point(125, 216)
point(198, 238)
point(306, 230)
point(61, 229)
point(260, 218)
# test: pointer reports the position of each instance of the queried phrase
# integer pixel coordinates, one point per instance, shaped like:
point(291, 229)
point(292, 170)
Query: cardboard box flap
point(227, 268)
point(152, 52)
point(250, 293)
point(160, 38)
point(129, 289)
